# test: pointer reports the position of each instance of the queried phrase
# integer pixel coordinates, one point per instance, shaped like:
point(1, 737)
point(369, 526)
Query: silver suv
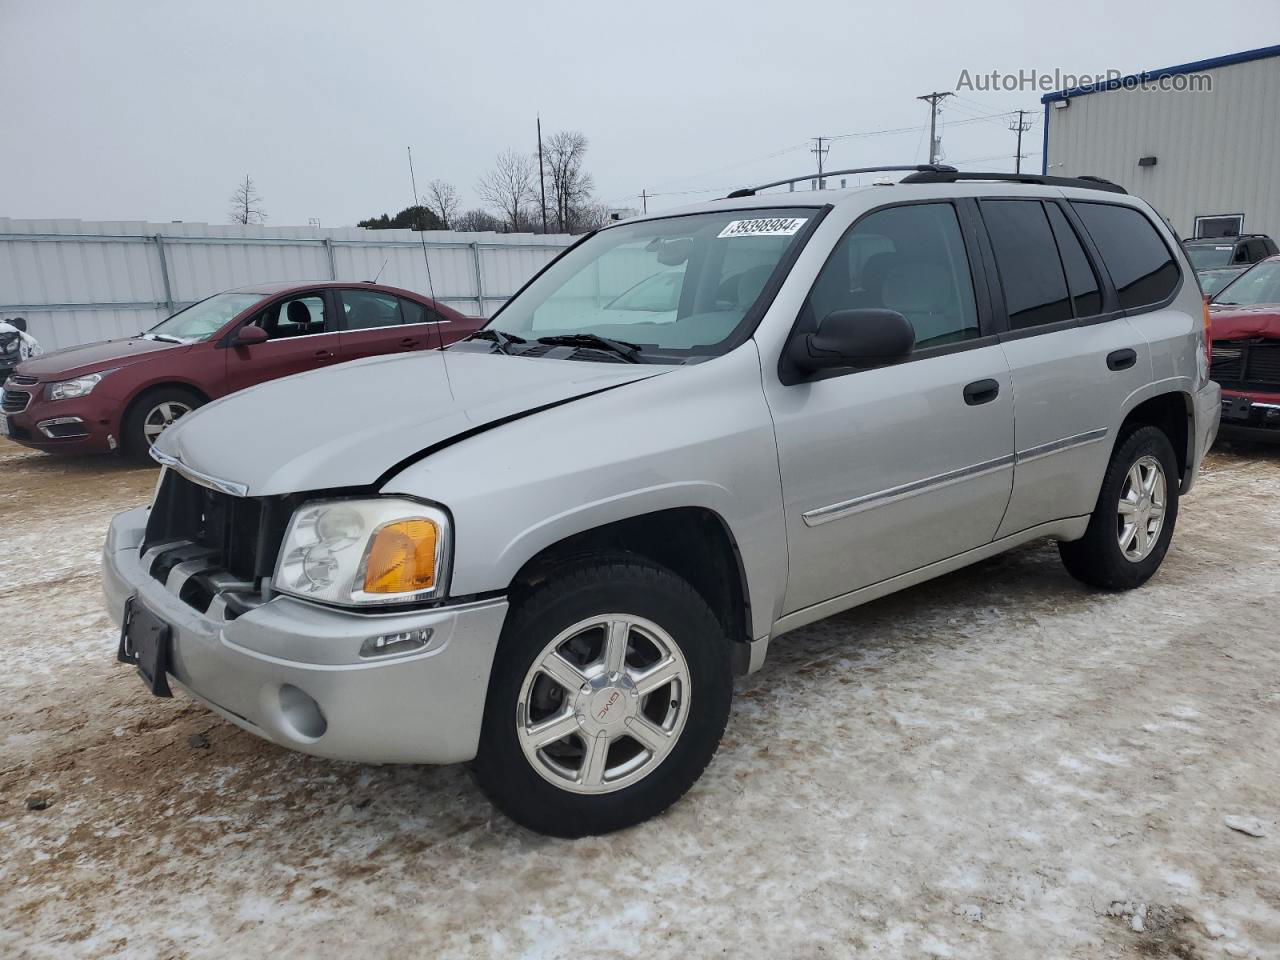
point(547, 549)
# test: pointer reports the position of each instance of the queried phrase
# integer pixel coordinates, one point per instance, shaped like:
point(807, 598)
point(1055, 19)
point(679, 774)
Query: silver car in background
point(547, 549)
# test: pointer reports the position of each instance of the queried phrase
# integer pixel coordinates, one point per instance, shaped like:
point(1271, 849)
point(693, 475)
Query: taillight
point(1208, 329)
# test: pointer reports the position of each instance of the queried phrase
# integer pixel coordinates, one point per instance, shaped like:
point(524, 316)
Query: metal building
point(1205, 158)
point(76, 281)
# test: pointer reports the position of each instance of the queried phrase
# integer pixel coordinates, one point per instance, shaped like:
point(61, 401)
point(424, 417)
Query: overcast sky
point(153, 110)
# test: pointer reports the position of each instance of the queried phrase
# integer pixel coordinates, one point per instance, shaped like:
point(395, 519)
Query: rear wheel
point(608, 697)
point(1132, 524)
point(152, 414)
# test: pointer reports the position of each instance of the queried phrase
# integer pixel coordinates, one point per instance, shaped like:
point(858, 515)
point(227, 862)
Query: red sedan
point(123, 393)
point(1245, 319)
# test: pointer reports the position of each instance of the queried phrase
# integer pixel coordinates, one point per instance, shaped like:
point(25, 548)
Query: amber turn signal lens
point(402, 558)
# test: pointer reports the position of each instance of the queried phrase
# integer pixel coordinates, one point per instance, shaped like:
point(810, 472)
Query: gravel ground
point(998, 764)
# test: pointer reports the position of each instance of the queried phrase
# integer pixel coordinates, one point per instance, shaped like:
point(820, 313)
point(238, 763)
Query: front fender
point(697, 437)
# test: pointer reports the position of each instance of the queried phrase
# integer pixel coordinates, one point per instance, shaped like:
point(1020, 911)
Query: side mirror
point(19, 322)
point(248, 336)
point(870, 337)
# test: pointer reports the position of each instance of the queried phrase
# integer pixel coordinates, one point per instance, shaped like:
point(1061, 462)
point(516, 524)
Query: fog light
point(390, 644)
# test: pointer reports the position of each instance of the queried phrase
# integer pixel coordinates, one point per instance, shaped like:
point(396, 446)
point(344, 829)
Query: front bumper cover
point(424, 707)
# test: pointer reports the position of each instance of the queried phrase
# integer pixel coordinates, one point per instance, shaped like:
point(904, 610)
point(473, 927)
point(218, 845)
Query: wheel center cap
point(605, 702)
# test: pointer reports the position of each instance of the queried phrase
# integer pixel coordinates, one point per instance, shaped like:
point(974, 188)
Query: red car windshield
point(202, 320)
point(1260, 284)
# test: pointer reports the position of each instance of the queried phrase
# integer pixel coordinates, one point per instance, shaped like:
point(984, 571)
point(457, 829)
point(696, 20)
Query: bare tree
point(442, 198)
point(571, 186)
point(476, 220)
point(509, 186)
point(246, 203)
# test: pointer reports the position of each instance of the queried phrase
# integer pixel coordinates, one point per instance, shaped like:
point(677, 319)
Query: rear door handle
point(981, 391)
point(324, 354)
point(1122, 359)
point(409, 342)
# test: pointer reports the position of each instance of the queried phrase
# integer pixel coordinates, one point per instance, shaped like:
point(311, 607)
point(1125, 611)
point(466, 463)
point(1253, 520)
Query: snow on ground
point(998, 764)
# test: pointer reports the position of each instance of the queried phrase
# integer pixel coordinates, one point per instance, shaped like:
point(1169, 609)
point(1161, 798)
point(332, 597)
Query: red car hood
point(1244, 323)
point(91, 357)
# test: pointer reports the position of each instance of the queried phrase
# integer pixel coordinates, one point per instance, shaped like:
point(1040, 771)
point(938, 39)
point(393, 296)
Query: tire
point(143, 414)
point(1098, 558)
point(552, 788)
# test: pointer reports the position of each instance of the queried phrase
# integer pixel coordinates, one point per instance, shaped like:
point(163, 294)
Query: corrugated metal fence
point(77, 281)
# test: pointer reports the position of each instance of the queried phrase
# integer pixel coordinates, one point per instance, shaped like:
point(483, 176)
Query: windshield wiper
point(500, 340)
point(628, 351)
point(164, 337)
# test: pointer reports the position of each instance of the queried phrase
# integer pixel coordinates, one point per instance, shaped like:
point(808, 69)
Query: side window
point(367, 309)
point(910, 259)
point(1035, 288)
point(414, 312)
point(1140, 264)
point(294, 317)
point(1243, 252)
point(1082, 282)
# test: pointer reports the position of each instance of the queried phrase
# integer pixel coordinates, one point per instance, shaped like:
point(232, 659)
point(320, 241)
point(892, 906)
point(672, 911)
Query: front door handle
point(981, 391)
point(1122, 359)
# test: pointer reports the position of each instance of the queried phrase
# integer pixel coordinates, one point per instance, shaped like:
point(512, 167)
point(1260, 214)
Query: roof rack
point(1084, 182)
point(918, 168)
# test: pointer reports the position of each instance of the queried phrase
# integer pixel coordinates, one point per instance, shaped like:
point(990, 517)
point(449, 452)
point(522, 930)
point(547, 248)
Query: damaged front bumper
point(293, 671)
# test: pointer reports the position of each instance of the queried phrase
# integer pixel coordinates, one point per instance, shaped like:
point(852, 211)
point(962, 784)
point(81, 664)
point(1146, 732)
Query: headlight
point(79, 387)
point(359, 552)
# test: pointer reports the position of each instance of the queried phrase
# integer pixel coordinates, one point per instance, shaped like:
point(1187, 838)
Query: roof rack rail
point(927, 168)
point(1084, 182)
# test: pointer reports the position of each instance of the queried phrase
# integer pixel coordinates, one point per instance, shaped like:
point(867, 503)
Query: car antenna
point(431, 288)
point(380, 269)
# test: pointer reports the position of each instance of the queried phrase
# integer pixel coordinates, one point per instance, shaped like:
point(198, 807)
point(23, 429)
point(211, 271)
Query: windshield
point(202, 320)
point(1259, 284)
point(681, 285)
point(1209, 256)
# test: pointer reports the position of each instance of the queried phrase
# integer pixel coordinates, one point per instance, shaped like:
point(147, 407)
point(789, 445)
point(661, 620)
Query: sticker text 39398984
point(767, 227)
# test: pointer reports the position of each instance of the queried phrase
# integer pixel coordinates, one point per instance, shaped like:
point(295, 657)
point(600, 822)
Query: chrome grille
point(23, 381)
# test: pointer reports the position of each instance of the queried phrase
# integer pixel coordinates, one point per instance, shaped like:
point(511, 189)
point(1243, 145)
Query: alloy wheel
point(160, 417)
point(603, 704)
point(1140, 515)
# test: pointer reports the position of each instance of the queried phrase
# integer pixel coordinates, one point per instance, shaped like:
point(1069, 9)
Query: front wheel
point(608, 697)
point(152, 414)
point(1132, 524)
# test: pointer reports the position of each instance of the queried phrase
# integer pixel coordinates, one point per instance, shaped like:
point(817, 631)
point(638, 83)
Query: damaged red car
point(1245, 324)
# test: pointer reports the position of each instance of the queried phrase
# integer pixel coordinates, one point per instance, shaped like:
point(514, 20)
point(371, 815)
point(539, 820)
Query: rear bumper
point(1207, 413)
point(425, 707)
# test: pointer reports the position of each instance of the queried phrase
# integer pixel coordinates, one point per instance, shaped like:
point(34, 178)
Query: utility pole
point(933, 99)
point(542, 183)
point(820, 152)
point(644, 200)
point(1020, 127)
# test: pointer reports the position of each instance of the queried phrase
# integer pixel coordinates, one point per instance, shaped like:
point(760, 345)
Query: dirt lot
point(999, 764)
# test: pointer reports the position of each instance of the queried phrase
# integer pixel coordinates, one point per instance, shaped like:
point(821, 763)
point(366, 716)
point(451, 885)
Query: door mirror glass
point(247, 336)
point(865, 337)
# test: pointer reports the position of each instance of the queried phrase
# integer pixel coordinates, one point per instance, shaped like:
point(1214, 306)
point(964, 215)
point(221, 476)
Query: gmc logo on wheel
point(604, 711)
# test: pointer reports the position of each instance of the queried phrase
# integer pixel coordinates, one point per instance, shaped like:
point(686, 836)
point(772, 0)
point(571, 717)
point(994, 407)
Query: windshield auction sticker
point(772, 227)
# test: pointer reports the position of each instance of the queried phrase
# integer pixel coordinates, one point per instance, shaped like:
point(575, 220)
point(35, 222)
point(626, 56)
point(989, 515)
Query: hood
point(1244, 323)
point(346, 426)
point(91, 357)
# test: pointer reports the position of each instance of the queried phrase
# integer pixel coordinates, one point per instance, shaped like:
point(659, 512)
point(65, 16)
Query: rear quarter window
point(1140, 263)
